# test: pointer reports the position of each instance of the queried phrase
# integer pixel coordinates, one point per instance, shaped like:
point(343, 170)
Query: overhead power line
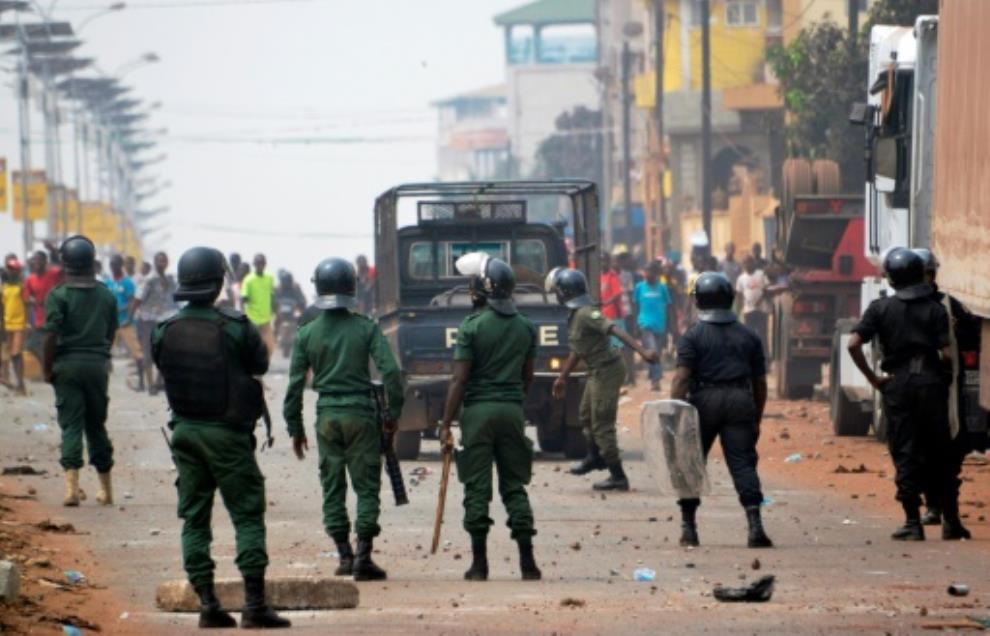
point(189, 4)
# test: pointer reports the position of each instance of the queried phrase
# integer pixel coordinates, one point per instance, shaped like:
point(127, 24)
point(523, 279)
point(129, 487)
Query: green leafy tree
point(575, 149)
point(822, 73)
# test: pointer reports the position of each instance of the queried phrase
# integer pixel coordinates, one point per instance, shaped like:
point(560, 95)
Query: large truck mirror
point(861, 114)
point(885, 164)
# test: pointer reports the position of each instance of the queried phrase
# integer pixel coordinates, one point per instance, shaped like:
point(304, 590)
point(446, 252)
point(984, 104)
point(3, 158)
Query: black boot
point(616, 479)
point(757, 536)
point(932, 516)
point(257, 614)
point(364, 568)
point(211, 615)
point(952, 527)
point(689, 526)
point(479, 564)
point(593, 461)
point(346, 567)
point(527, 564)
point(912, 530)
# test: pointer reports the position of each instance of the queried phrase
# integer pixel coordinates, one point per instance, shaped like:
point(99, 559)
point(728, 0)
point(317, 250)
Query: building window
point(775, 16)
point(519, 45)
point(567, 44)
point(742, 13)
point(696, 11)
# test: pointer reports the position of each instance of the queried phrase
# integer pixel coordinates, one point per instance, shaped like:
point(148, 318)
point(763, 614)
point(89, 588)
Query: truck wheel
point(575, 446)
point(848, 419)
point(407, 444)
point(880, 429)
point(550, 437)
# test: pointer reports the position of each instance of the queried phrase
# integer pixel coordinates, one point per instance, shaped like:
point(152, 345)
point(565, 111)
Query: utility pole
point(24, 121)
point(853, 23)
point(626, 134)
point(658, 120)
point(706, 120)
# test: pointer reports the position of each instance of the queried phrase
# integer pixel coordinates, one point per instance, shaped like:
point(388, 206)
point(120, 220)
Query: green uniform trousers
point(494, 432)
point(210, 457)
point(349, 442)
point(600, 407)
point(81, 400)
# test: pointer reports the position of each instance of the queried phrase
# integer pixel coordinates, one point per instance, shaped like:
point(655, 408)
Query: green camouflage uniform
point(217, 455)
point(84, 319)
point(492, 422)
point(589, 340)
point(336, 345)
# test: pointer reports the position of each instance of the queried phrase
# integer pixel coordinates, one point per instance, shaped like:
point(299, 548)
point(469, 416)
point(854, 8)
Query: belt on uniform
point(742, 383)
point(344, 394)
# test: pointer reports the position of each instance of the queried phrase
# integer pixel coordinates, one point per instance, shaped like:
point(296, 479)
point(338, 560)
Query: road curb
point(293, 593)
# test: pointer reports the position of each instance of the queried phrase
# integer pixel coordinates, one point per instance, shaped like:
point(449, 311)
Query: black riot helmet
point(570, 286)
point(904, 268)
point(930, 262)
point(336, 284)
point(78, 254)
point(201, 272)
point(713, 295)
point(491, 279)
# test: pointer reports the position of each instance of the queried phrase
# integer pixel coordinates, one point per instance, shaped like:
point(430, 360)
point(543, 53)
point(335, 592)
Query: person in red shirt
point(43, 279)
point(611, 291)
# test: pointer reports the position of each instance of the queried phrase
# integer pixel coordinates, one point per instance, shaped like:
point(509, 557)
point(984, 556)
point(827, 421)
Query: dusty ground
point(836, 569)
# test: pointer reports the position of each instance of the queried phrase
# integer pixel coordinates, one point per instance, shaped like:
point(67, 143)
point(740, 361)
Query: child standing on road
point(13, 324)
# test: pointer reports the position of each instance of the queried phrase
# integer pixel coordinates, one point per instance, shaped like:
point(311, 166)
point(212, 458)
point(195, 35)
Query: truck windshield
point(528, 259)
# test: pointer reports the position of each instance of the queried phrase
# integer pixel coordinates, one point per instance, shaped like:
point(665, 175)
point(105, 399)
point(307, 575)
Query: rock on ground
point(10, 581)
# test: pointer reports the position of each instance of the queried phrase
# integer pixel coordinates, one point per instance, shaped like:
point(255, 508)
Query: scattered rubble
point(758, 592)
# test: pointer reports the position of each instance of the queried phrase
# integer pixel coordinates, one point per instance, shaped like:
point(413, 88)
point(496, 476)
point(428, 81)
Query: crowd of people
point(144, 292)
point(652, 301)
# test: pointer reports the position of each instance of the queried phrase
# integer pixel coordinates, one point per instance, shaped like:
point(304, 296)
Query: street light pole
point(24, 121)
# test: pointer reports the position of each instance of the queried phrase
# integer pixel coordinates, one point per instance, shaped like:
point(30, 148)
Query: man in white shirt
point(751, 290)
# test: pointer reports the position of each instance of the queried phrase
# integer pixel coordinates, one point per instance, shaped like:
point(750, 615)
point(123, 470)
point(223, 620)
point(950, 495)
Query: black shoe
point(587, 465)
point(932, 517)
point(757, 536)
point(257, 614)
point(211, 615)
point(346, 567)
point(912, 530)
point(689, 526)
point(364, 568)
point(954, 530)
point(479, 563)
point(527, 563)
point(593, 461)
point(616, 480)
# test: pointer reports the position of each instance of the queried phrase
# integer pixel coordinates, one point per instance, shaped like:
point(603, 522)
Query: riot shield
point(672, 446)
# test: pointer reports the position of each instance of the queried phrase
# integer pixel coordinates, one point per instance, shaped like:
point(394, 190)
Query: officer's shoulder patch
point(596, 314)
point(233, 314)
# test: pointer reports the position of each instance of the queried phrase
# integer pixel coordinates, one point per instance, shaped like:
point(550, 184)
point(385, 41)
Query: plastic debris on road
point(74, 577)
point(767, 501)
point(958, 589)
point(758, 592)
point(71, 630)
point(644, 575)
point(40, 427)
point(793, 459)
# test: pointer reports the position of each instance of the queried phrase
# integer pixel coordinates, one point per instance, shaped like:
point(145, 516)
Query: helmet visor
point(335, 301)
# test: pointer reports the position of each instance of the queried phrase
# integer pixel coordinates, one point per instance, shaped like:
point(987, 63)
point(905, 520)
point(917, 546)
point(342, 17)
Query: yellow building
point(747, 110)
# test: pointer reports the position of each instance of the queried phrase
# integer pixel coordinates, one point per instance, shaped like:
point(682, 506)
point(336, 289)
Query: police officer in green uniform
point(336, 345)
point(589, 334)
point(493, 370)
point(208, 357)
point(80, 324)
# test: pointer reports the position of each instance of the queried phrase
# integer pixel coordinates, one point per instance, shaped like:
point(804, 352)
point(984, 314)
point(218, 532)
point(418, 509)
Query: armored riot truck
point(422, 229)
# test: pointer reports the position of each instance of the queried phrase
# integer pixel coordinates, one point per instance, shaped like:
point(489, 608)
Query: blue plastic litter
point(644, 574)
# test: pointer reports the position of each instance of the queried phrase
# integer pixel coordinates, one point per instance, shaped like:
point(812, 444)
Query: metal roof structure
point(549, 12)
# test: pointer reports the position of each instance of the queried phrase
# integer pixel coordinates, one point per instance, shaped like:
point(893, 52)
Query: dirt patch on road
point(50, 556)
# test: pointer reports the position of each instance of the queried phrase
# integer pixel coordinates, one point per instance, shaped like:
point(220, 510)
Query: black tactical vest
point(201, 383)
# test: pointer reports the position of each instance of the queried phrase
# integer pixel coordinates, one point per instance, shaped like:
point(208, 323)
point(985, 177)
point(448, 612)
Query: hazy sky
point(343, 86)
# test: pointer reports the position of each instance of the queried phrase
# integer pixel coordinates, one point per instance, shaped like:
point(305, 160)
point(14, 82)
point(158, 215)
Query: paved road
point(836, 569)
